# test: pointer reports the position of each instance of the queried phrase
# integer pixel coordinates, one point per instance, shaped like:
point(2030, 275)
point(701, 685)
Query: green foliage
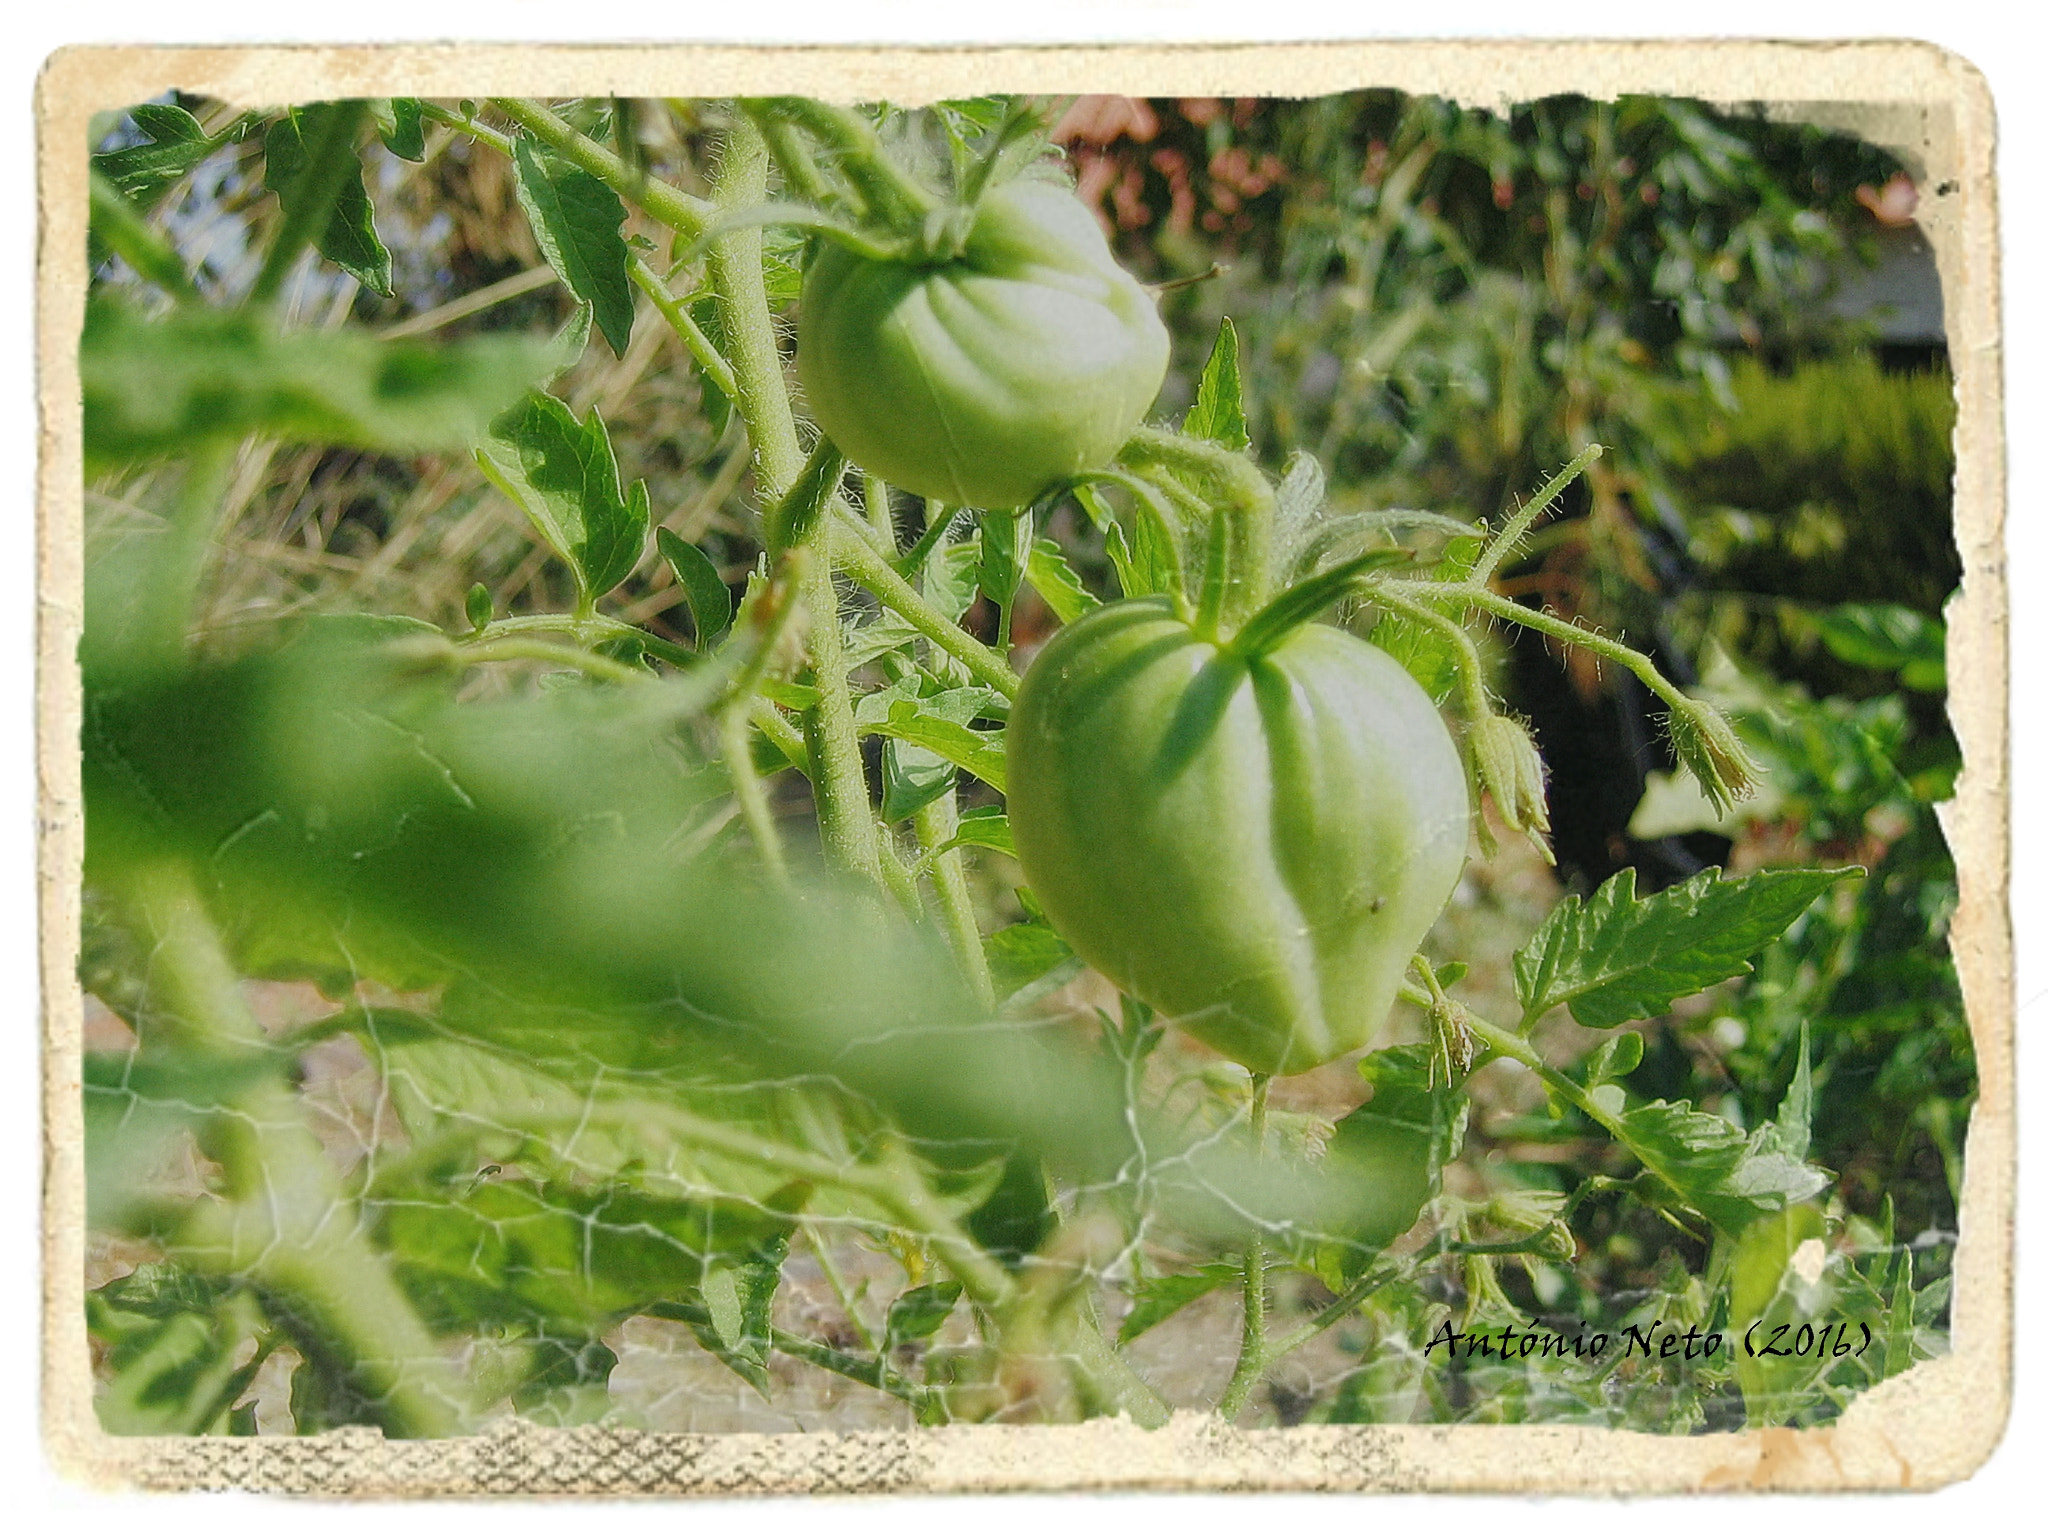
point(1615, 958)
point(575, 220)
point(345, 230)
point(168, 386)
point(562, 474)
point(709, 598)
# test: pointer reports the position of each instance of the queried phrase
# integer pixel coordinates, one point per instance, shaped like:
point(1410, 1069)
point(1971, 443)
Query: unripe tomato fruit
point(988, 379)
point(1254, 847)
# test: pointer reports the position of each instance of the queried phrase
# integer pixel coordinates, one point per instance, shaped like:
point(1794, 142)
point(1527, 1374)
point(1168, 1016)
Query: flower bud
point(1512, 772)
point(1711, 751)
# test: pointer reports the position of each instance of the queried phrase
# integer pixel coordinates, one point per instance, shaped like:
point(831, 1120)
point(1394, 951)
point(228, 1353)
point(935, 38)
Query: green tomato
point(986, 380)
point(1254, 847)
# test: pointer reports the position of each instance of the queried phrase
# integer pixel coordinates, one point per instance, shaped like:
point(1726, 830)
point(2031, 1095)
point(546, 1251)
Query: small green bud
point(1510, 770)
point(1712, 753)
point(478, 606)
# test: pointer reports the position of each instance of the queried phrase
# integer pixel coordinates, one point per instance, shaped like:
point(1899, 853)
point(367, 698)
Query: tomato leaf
point(576, 220)
point(1614, 958)
point(1396, 1144)
point(981, 827)
point(177, 143)
point(348, 236)
point(1615, 1057)
point(1218, 411)
point(1056, 581)
point(1888, 637)
point(398, 125)
point(1158, 1298)
point(562, 474)
point(1024, 953)
point(912, 720)
point(173, 1345)
point(154, 387)
point(704, 590)
point(919, 1313)
point(1006, 542)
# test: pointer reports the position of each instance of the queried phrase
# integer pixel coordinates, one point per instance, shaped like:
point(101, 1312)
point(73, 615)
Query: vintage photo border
point(1934, 1424)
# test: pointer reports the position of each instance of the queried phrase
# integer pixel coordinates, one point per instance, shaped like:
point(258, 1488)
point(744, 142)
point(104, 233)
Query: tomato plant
point(659, 869)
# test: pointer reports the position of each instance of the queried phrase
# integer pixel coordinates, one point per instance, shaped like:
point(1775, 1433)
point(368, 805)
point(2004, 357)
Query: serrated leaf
point(919, 1313)
point(1615, 1057)
point(177, 143)
point(979, 752)
point(562, 474)
point(1005, 551)
point(1055, 581)
point(404, 136)
point(1023, 953)
point(1615, 959)
point(576, 220)
point(1147, 564)
point(348, 235)
point(1156, 1299)
point(155, 387)
point(1218, 411)
point(709, 598)
point(952, 576)
point(174, 1350)
point(1726, 1176)
point(982, 827)
point(877, 638)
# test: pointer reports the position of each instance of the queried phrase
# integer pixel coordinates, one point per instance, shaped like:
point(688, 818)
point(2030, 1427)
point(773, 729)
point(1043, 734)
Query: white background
point(1993, 34)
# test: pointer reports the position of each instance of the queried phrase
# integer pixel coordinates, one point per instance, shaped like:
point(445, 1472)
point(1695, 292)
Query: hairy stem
point(1519, 525)
point(935, 824)
point(285, 1218)
point(677, 209)
point(761, 396)
point(852, 551)
point(1252, 1356)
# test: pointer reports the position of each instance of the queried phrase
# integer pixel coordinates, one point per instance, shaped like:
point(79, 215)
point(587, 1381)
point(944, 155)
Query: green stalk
point(859, 558)
point(937, 519)
point(1252, 1356)
point(1471, 672)
point(874, 495)
point(891, 196)
point(1558, 629)
point(761, 396)
point(590, 663)
point(707, 356)
point(935, 824)
point(1247, 505)
point(1519, 525)
point(286, 1219)
point(736, 745)
point(162, 616)
point(677, 209)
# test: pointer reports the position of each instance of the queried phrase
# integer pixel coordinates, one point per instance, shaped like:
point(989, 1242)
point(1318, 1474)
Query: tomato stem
point(1518, 526)
point(891, 196)
point(668, 204)
point(1252, 1355)
point(761, 397)
point(1246, 504)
